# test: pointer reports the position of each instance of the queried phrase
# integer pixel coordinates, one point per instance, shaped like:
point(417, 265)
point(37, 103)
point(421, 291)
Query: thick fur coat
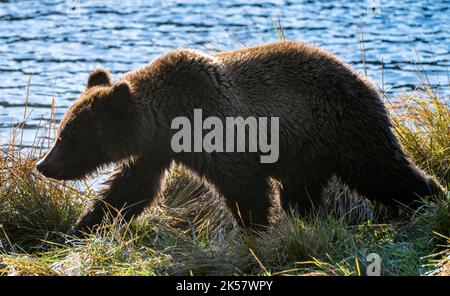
point(332, 122)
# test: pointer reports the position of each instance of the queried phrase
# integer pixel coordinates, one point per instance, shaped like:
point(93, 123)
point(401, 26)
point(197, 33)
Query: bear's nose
point(51, 165)
point(40, 165)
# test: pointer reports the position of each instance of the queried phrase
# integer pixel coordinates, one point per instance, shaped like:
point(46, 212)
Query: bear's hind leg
point(393, 183)
point(302, 193)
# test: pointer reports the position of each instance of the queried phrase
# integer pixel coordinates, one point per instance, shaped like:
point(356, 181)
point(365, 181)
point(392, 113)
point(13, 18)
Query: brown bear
point(332, 122)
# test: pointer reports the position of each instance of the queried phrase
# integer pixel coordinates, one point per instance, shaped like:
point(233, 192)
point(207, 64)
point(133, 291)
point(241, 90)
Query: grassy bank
point(189, 232)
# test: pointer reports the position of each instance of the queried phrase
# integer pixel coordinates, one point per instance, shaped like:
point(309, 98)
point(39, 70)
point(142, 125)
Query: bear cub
point(332, 122)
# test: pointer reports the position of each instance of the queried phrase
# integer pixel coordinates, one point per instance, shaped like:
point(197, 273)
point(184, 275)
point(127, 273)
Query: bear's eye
point(64, 137)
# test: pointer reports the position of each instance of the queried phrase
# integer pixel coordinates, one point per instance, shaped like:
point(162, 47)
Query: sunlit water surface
point(58, 43)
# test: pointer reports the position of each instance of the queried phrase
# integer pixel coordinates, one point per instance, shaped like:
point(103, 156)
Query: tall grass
point(422, 123)
point(190, 231)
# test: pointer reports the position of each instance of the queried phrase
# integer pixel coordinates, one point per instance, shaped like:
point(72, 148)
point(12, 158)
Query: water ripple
point(58, 45)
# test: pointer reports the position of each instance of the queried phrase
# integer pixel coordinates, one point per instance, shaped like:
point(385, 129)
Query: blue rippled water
point(59, 42)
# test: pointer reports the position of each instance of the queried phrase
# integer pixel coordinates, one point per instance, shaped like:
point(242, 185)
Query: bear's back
point(295, 75)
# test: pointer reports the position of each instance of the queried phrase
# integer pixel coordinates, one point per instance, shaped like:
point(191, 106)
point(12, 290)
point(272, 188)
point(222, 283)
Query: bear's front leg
point(130, 190)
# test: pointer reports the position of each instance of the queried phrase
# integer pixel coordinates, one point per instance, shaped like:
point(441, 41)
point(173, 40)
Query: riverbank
point(190, 233)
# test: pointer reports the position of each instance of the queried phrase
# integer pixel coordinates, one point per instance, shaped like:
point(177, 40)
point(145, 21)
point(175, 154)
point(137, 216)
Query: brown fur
point(332, 122)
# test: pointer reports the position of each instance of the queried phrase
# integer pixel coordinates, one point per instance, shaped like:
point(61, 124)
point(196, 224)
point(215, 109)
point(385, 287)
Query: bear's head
point(92, 132)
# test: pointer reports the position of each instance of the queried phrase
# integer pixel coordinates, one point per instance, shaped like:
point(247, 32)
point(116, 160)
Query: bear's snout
point(51, 165)
point(42, 166)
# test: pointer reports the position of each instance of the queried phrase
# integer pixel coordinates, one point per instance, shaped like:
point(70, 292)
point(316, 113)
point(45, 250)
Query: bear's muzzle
point(51, 165)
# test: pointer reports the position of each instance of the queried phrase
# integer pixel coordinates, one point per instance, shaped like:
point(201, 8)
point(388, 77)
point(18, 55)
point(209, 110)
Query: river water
point(57, 43)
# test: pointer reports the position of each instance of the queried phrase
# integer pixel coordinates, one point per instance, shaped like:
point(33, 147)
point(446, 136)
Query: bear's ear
point(115, 103)
point(122, 90)
point(120, 99)
point(99, 77)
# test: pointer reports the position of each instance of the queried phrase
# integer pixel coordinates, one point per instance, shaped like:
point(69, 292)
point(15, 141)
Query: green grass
point(191, 233)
